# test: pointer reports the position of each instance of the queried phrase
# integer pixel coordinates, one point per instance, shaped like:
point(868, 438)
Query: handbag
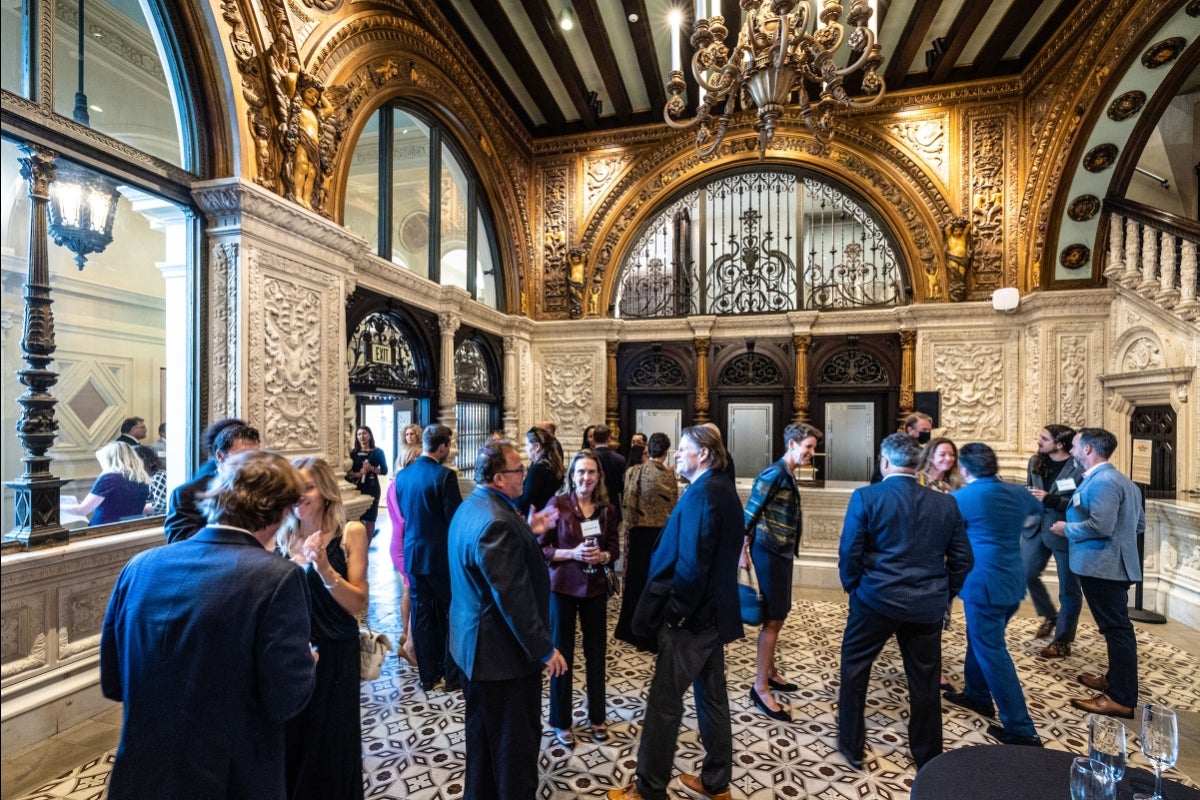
point(373, 646)
point(612, 580)
point(749, 599)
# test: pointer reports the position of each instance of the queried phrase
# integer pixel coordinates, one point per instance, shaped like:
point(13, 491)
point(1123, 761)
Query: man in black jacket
point(613, 465)
point(221, 440)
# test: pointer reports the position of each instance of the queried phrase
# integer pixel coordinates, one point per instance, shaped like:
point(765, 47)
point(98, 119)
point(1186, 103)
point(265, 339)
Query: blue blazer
point(499, 591)
point(996, 515)
point(1054, 508)
point(206, 642)
point(903, 551)
point(184, 517)
point(1103, 523)
point(697, 554)
point(427, 495)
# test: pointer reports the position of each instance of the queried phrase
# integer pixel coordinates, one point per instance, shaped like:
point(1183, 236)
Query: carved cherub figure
point(576, 263)
point(307, 111)
point(959, 233)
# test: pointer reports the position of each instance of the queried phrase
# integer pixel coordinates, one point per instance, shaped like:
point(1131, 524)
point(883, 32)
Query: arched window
point(770, 240)
point(404, 159)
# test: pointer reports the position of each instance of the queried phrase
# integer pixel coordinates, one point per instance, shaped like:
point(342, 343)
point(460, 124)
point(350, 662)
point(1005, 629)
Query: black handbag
point(612, 580)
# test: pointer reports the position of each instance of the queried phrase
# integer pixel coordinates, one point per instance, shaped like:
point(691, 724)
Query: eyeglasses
point(522, 468)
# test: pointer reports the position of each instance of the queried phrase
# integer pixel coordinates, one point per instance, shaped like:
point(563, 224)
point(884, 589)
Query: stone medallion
point(1163, 52)
point(1084, 207)
point(1100, 157)
point(1126, 105)
point(1075, 256)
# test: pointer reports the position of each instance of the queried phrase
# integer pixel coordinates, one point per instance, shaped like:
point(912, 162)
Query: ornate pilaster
point(612, 417)
point(509, 420)
point(802, 342)
point(35, 493)
point(448, 390)
point(702, 345)
point(908, 371)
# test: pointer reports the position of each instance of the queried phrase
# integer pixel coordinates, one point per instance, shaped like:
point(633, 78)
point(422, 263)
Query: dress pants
point(989, 670)
point(921, 648)
point(699, 659)
point(593, 620)
point(1109, 602)
point(640, 544)
point(1035, 555)
point(431, 613)
point(503, 731)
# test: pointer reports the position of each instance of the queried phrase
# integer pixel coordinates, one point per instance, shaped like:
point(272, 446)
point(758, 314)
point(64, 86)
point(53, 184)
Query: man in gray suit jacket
point(1103, 523)
point(499, 626)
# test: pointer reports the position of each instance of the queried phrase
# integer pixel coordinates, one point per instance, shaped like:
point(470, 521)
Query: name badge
point(1076, 500)
point(1064, 485)
point(591, 528)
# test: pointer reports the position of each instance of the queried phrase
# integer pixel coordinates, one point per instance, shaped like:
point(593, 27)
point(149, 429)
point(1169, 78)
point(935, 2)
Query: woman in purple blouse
point(121, 490)
point(577, 548)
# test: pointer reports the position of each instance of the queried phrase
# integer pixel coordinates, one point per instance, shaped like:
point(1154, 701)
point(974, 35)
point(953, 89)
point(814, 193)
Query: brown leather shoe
point(630, 792)
point(1093, 681)
point(1103, 704)
point(1046, 628)
point(1056, 649)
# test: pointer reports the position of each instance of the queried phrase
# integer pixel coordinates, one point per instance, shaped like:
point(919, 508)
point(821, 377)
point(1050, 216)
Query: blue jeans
point(1035, 555)
point(988, 669)
point(1109, 602)
point(699, 659)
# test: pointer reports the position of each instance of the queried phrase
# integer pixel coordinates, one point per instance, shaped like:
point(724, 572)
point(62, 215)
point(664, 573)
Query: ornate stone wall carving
point(1072, 380)
point(556, 194)
point(1073, 366)
point(990, 176)
point(1143, 353)
point(1032, 382)
point(926, 136)
point(81, 607)
point(572, 383)
point(224, 347)
point(978, 380)
point(599, 173)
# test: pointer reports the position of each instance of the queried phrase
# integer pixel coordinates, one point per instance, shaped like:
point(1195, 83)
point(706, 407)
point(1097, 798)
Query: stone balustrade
point(1157, 263)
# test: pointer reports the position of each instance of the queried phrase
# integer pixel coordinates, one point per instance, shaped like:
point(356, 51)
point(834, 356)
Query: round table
point(1006, 771)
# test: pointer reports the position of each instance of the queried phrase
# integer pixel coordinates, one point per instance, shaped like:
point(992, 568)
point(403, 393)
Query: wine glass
point(1160, 743)
point(591, 541)
point(1106, 743)
point(1091, 780)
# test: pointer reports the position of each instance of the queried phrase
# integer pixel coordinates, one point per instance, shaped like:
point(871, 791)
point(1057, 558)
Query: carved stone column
point(1116, 248)
point(1133, 267)
point(447, 387)
point(1149, 280)
point(509, 420)
point(1188, 306)
point(36, 492)
point(612, 416)
point(1167, 294)
point(802, 342)
point(908, 371)
point(702, 345)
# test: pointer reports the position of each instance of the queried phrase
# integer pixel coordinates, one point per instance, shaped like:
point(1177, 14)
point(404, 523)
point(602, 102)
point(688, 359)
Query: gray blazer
point(1103, 523)
point(1053, 510)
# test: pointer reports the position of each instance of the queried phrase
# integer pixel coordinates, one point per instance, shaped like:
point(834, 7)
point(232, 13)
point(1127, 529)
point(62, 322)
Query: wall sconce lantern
point(83, 205)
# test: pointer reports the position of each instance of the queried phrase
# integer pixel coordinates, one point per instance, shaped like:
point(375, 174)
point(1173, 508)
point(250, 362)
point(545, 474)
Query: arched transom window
point(767, 241)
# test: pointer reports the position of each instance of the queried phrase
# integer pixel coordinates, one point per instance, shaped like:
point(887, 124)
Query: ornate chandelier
point(776, 56)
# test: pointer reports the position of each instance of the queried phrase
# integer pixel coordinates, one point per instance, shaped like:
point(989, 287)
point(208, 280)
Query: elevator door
point(849, 441)
point(750, 436)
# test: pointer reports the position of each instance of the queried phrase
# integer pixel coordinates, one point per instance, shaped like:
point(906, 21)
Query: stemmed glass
point(1160, 743)
point(1106, 743)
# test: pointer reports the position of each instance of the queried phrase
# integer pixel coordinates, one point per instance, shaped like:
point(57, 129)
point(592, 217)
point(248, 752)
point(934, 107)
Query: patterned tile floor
point(413, 740)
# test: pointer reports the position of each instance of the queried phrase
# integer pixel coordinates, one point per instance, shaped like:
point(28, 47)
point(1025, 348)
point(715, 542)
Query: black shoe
point(946, 686)
point(781, 715)
point(855, 761)
point(1046, 628)
point(452, 686)
point(428, 687)
point(780, 686)
point(971, 704)
point(1004, 737)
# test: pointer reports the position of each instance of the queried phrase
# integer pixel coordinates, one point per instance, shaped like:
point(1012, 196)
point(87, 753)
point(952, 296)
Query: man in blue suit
point(995, 514)
point(691, 604)
point(1103, 522)
point(427, 494)
point(903, 553)
point(206, 642)
point(500, 626)
point(221, 440)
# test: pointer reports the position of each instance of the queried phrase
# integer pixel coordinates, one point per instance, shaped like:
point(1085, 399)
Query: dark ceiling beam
point(961, 30)
point(915, 32)
point(550, 34)
point(501, 28)
point(1011, 24)
point(1066, 9)
point(591, 24)
point(647, 55)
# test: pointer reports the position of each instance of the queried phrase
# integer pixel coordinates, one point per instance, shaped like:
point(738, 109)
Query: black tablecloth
point(1005, 772)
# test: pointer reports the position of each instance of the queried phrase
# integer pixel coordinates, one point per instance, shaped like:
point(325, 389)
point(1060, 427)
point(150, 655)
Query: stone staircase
point(1154, 254)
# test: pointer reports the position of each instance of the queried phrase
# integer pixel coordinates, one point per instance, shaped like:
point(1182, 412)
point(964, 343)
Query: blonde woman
point(409, 453)
point(121, 490)
point(411, 447)
point(324, 747)
point(937, 467)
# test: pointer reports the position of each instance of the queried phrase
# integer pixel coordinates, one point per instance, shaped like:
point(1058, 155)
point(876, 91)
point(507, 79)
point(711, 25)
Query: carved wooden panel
point(990, 177)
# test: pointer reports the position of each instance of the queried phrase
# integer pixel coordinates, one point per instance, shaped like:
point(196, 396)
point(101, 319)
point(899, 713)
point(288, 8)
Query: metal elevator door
point(849, 445)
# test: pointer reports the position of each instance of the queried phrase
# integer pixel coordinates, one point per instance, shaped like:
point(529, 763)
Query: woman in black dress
point(324, 742)
point(367, 463)
point(545, 476)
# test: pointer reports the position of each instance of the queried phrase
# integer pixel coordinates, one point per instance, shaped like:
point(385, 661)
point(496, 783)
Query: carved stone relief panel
point(556, 198)
point(927, 136)
point(23, 633)
point(1033, 384)
point(978, 381)
point(1074, 362)
point(224, 341)
point(600, 172)
point(572, 384)
point(990, 175)
point(81, 607)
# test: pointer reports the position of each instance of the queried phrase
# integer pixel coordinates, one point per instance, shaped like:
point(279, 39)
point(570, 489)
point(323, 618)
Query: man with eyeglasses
point(427, 495)
point(500, 626)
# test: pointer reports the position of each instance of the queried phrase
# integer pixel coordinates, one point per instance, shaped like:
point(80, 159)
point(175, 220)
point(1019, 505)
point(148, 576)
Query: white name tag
point(591, 528)
point(1076, 500)
point(1065, 485)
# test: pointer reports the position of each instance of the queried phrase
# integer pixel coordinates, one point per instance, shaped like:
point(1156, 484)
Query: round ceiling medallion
point(1084, 207)
point(1100, 157)
point(1163, 52)
point(1075, 256)
point(1126, 105)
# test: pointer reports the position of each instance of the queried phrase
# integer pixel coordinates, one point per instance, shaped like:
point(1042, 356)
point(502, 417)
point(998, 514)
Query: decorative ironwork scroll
point(381, 356)
point(854, 368)
point(470, 370)
point(656, 371)
point(751, 369)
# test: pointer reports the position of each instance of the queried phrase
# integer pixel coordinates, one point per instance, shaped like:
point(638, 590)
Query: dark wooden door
point(1158, 424)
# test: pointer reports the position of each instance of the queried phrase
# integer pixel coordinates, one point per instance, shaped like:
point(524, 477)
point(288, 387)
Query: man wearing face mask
point(917, 425)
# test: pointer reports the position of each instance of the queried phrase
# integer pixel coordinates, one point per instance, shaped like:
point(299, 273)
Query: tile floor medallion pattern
point(413, 740)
